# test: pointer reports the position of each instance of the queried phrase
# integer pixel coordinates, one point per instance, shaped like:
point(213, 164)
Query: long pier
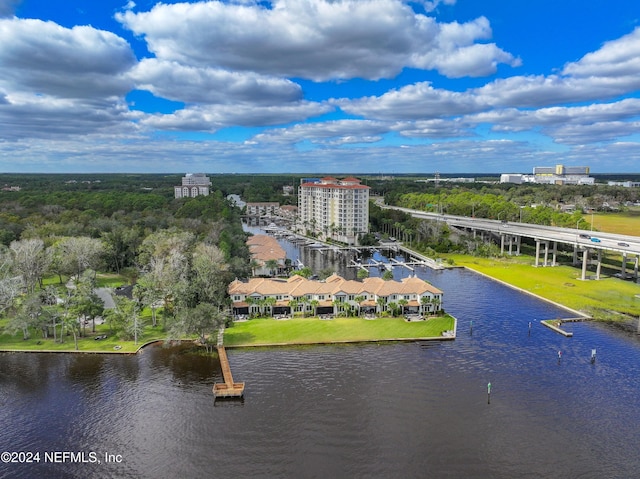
point(227, 389)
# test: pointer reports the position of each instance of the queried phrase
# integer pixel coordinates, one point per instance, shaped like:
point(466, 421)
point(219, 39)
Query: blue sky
point(331, 86)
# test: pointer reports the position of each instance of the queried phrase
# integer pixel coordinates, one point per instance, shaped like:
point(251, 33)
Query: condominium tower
point(334, 209)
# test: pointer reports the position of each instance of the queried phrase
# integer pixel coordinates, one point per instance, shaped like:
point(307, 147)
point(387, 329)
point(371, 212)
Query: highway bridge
point(589, 244)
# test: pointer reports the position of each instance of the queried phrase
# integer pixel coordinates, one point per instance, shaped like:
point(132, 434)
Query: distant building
point(552, 175)
point(511, 178)
point(336, 209)
point(265, 208)
point(193, 185)
point(625, 184)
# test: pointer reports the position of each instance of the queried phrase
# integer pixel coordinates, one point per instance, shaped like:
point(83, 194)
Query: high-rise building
point(334, 209)
point(193, 185)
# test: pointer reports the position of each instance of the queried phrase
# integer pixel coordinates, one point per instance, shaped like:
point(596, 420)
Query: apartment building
point(334, 209)
point(193, 185)
point(334, 295)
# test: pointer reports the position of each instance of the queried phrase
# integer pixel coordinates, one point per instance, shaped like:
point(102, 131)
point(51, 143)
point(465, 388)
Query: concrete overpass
point(588, 243)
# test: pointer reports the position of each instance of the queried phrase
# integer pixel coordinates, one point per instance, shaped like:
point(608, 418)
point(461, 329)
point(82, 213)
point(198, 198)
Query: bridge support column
point(623, 270)
point(546, 253)
point(555, 253)
point(518, 241)
point(635, 269)
point(585, 259)
point(537, 253)
point(575, 255)
point(510, 245)
point(599, 264)
point(501, 244)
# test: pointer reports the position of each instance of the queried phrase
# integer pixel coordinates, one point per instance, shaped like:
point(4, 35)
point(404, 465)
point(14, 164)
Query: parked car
point(624, 245)
point(595, 240)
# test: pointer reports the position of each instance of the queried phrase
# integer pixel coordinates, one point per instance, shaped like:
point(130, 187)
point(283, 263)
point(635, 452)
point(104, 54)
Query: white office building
point(334, 209)
point(193, 185)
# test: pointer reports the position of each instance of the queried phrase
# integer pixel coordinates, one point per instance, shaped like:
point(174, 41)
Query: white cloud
point(45, 58)
point(620, 57)
point(315, 39)
point(213, 117)
point(178, 82)
point(328, 132)
point(419, 101)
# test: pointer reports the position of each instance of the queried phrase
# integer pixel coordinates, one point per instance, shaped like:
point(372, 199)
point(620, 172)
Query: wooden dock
point(227, 389)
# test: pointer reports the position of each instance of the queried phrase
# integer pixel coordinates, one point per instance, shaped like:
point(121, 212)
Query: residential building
point(263, 249)
point(267, 208)
point(335, 294)
point(193, 185)
point(334, 209)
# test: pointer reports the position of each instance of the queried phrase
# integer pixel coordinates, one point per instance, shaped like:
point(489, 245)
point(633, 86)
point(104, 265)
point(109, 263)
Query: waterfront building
point(334, 209)
point(333, 295)
point(193, 185)
point(265, 208)
point(263, 249)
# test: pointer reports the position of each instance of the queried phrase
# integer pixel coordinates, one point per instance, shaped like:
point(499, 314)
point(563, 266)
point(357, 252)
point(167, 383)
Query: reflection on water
point(375, 410)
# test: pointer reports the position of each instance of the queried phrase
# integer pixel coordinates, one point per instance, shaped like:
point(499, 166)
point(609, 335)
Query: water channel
point(369, 410)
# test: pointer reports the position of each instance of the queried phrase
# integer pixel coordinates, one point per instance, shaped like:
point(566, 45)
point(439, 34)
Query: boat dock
point(227, 389)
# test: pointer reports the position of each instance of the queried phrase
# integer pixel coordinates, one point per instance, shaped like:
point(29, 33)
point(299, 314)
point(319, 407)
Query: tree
point(30, 261)
point(27, 315)
point(272, 265)
point(79, 254)
point(124, 318)
point(402, 302)
point(387, 275)
point(359, 299)
point(305, 272)
point(362, 273)
point(204, 321)
point(314, 303)
point(148, 294)
point(293, 305)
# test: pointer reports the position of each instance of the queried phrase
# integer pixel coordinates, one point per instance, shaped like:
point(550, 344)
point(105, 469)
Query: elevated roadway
point(546, 238)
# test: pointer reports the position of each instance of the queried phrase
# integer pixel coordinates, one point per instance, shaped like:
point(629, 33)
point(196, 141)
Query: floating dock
point(227, 389)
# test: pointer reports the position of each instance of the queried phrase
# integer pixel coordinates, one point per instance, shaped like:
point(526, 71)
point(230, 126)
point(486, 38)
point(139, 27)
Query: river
point(372, 410)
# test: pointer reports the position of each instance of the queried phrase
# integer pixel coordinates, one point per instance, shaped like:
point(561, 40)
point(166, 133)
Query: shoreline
point(522, 290)
point(74, 351)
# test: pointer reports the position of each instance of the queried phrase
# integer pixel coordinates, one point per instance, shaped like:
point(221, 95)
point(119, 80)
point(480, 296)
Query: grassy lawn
point(86, 344)
point(625, 223)
point(314, 330)
point(561, 284)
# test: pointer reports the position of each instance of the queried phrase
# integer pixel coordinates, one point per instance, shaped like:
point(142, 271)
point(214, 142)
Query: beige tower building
point(334, 209)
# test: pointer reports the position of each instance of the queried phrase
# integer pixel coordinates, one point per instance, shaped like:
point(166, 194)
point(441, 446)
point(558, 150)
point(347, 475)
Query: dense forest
point(58, 232)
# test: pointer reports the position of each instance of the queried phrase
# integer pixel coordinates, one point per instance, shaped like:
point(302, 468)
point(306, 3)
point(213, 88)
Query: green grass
point(561, 284)
point(314, 330)
point(86, 344)
point(625, 223)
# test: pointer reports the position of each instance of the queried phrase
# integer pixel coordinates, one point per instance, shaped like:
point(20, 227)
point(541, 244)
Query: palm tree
point(358, 300)
point(382, 302)
point(424, 301)
point(403, 302)
point(272, 264)
point(314, 305)
point(270, 301)
point(293, 304)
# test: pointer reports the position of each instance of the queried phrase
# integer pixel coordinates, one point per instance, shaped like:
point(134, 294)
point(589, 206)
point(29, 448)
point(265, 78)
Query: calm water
point(388, 410)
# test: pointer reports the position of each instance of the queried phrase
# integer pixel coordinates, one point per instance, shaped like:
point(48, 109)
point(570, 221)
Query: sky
point(326, 86)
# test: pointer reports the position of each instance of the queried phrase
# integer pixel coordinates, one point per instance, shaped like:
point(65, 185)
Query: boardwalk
point(227, 389)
